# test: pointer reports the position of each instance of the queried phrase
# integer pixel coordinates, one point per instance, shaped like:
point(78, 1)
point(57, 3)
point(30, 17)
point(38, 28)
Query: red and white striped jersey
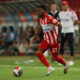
point(48, 24)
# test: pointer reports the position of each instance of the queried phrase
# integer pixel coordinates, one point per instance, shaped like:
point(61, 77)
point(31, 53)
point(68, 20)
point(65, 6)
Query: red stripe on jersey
point(53, 36)
point(55, 32)
point(48, 37)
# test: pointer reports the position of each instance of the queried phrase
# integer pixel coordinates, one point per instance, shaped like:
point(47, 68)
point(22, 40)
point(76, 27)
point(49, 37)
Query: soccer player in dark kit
point(55, 13)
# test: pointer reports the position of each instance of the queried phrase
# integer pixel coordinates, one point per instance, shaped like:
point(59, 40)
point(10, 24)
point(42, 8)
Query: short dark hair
point(53, 4)
point(11, 28)
point(42, 6)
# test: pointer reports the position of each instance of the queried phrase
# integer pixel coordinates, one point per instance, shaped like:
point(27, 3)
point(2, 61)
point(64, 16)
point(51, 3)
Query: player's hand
point(58, 40)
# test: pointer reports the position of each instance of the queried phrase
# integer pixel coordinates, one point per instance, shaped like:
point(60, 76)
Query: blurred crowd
point(16, 39)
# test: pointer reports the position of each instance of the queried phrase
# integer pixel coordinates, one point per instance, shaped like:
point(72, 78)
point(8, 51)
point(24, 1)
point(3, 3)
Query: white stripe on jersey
point(47, 37)
point(50, 37)
point(55, 36)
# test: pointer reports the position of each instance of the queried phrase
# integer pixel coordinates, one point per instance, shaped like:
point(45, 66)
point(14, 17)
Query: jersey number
point(54, 50)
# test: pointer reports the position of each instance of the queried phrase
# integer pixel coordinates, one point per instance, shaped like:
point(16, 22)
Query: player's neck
point(64, 10)
point(53, 11)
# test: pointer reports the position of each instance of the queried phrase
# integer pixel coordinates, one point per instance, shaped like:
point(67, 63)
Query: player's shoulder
point(71, 11)
point(60, 11)
point(49, 16)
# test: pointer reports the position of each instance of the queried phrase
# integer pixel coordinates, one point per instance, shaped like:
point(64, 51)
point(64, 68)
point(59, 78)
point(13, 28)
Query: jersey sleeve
point(74, 16)
point(53, 20)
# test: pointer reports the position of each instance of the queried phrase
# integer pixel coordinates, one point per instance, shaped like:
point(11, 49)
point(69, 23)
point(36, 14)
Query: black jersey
point(55, 15)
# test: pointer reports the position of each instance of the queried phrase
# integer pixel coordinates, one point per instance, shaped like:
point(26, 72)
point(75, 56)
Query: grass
point(36, 70)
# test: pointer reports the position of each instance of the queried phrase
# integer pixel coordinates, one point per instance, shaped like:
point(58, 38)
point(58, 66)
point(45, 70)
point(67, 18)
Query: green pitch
point(35, 70)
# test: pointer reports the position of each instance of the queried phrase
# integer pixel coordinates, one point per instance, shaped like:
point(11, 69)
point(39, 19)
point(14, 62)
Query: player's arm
point(76, 22)
point(38, 30)
point(75, 18)
point(59, 32)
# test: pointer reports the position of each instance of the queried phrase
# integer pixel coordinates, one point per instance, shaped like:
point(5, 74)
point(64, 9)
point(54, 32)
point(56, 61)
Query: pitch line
point(75, 69)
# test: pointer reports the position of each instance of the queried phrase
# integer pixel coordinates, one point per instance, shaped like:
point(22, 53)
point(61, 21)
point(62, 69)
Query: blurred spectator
point(3, 37)
point(29, 32)
point(19, 40)
point(10, 36)
point(20, 34)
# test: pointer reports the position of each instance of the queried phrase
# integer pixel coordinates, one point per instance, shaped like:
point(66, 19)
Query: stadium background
point(22, 13)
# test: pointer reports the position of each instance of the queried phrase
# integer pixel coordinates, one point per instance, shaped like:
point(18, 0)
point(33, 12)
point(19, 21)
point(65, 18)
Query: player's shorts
point(54, 48)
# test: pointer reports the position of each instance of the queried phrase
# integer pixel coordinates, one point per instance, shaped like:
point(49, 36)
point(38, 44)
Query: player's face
point(53, 7)
point(40, 11)
point(64, 7)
